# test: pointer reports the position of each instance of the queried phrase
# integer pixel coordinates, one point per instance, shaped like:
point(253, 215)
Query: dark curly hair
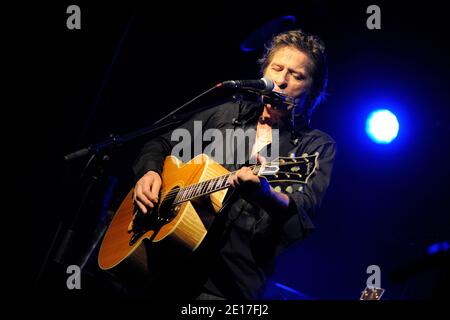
point(314, 48)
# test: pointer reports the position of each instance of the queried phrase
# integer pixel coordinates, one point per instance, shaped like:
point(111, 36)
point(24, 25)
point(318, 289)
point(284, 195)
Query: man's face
point(290, 71)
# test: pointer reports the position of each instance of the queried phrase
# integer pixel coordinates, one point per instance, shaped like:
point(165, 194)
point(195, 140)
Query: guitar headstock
point(371, 293)
point(290, 169)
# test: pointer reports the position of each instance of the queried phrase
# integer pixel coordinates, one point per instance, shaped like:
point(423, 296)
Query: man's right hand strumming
point(146, 191)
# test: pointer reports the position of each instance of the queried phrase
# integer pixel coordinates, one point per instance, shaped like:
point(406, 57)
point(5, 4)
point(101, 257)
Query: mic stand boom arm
point(117, 140)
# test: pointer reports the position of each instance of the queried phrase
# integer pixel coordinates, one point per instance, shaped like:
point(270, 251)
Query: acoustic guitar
point(191, 195)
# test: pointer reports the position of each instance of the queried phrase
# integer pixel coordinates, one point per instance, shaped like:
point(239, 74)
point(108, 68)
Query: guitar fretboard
point(208, 186)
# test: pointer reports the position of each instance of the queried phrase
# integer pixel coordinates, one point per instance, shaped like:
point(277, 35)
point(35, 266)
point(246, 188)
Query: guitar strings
point(173, 193)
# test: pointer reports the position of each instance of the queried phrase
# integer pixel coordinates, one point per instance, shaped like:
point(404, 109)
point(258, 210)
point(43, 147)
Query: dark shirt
point(242, 254)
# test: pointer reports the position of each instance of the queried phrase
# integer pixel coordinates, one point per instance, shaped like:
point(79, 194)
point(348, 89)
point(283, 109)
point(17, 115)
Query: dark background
point(131, 64)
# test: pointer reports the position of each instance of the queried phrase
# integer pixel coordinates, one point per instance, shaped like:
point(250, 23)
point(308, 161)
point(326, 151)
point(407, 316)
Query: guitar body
point(186, 223)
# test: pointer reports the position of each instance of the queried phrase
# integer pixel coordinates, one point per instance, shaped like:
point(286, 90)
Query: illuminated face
point(290, 71)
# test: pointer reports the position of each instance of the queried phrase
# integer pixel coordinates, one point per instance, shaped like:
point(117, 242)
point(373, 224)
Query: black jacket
point(250, 238)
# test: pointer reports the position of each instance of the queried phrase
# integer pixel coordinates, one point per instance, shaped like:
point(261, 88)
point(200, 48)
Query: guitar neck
point(208, 186)
point(287, 169)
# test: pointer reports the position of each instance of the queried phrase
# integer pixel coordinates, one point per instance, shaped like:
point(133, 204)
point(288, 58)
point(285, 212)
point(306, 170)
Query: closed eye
point(277, 68)
point(299, 76)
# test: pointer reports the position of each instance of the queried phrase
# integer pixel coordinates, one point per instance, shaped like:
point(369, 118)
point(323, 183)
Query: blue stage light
point(382, 126)
point(438, 247)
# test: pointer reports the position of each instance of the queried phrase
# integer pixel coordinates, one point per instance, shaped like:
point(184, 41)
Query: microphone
point(263, 85)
